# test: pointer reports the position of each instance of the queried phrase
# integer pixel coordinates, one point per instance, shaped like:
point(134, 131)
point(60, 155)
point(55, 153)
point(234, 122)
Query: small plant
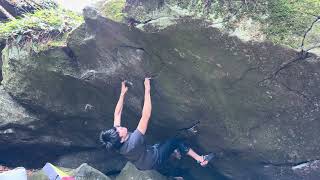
point(113, 9)
point(41, 21)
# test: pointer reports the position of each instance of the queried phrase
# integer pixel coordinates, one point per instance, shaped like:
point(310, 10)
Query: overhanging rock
point(254, 110)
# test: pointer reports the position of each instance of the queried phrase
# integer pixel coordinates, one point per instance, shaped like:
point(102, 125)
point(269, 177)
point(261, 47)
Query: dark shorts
point(167, 147)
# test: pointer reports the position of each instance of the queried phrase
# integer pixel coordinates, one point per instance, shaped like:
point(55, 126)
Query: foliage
point(113, 9)
point(45, 20)
point(283, 21)
point(289, 19)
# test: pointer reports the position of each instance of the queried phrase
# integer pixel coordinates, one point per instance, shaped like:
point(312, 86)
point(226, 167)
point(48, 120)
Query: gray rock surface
point(14, 118)
point(308, 170)
point(83, 172)
point(86, 172)
point(132, 173)
point(38, 175)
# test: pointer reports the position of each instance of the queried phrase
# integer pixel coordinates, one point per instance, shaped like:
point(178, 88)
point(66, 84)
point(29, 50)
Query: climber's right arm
point(119, 106)
point(147, 107)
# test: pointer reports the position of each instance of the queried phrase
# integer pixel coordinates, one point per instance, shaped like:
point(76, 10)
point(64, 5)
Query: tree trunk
point(6, 13)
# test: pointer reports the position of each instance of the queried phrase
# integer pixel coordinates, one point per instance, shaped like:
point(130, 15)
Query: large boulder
point(200, 73)
point(86, 172)
point(258, 104)
point(83, 172)
point(16, 127)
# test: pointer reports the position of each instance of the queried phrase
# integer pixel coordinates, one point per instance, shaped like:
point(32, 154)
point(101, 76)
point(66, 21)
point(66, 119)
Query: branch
point(301, 56)
point(6, 13)
point(308, 30)
point(314, 47)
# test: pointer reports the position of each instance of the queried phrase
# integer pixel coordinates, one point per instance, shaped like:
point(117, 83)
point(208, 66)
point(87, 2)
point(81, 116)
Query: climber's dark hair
point(110, 139)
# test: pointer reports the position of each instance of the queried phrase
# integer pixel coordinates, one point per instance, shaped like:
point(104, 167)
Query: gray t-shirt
point(144, 157)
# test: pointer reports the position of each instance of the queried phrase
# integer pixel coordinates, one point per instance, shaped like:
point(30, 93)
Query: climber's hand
point(124, 88)
point(147, 84)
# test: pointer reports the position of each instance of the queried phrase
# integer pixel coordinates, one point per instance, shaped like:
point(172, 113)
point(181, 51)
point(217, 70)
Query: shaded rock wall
point(106, 162)
point(143, 11)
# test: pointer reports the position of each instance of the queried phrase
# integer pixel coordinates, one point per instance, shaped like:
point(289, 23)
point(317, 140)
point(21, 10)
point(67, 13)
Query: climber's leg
point(202, 160)
point(174, 146)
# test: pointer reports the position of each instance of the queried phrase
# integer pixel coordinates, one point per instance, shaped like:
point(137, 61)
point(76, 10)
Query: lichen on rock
point(113, 9)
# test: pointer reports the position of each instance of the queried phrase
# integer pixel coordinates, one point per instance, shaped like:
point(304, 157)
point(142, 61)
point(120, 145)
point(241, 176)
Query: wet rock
point(308, 170)
point(101, 160)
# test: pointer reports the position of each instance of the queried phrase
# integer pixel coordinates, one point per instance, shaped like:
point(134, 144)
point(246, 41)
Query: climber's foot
point(193, 129)
point(176, 154)
point(206, 159)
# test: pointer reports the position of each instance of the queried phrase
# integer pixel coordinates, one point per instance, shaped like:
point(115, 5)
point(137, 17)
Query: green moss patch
point(283, 21)
point(113, 9)
point(40, 23)
point(43, 28)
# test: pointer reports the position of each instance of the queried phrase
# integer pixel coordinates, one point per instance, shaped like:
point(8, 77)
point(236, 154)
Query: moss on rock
point(113, 9)
point(41, 20)
point(280, 21)
point(41, 29)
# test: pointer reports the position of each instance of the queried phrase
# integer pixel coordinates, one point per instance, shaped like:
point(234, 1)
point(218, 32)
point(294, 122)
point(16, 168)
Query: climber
point(132, 145)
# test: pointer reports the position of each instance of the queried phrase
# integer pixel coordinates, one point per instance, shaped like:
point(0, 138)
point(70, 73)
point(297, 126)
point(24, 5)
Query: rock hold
point(90, 13)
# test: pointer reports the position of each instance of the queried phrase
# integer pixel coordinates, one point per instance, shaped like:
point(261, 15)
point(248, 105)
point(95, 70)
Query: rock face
point(86, 172)
point(308, 170)
point(83, 172)
point(257, 104)
point(26, 136)
point(131, 172)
